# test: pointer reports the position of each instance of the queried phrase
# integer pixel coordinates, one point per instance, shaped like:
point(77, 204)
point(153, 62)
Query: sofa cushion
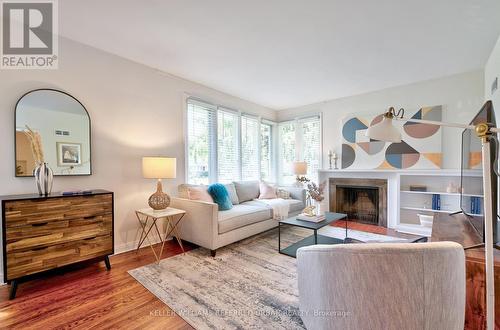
point(182, 189)
point(221, 196)
point(294, 205)
point(242, 215)
point(247, 190)
point(267, 191)
point(199, 194)
point(232, 193)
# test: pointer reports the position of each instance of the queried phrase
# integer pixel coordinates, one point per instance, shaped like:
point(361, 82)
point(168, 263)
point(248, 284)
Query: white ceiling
point(286, 53)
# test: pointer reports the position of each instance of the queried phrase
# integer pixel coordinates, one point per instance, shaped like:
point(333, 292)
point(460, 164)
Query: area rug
point(339, 232)
point(248, 285)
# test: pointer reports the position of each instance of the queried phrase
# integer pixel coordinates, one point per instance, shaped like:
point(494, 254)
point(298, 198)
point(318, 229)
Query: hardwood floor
point(84, 297)
point(371, 229)
point(88, 296)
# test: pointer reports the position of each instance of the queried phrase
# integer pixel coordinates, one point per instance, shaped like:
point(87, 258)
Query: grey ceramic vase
point(44, 177)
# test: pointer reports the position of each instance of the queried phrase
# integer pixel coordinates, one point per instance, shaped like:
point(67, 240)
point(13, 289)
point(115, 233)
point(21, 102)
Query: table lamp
point(300, 170)
point(159, 168)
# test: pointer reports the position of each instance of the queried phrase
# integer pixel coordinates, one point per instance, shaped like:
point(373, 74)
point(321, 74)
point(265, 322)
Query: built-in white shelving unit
point(412, 203)
point(404, 205)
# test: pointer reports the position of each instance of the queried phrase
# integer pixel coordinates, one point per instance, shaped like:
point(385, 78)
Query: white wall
point(135, 111)
point(461, 96)
point(491, 71)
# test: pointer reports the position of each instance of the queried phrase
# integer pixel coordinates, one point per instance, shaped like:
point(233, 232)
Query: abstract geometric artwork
point(420, 147)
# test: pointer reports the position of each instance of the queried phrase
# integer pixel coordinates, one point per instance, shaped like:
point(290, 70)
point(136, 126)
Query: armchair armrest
point(200, 223)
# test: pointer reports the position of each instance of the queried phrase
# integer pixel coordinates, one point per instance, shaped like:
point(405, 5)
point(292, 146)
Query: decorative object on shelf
point(436, 202)
point(418, 188)
point(44, 177)
point(332, 156)
point(475, 205)
point(159, 168)
point(452, 188)
point(309, 211)
point(486, 131)
point(426, 220)
point(420, 148)
point(300, 170)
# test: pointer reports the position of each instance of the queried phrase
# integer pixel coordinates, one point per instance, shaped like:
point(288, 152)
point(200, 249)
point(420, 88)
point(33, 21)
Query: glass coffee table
point(313, 239)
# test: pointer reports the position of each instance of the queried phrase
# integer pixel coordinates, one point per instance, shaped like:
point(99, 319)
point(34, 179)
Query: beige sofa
point(210, 228)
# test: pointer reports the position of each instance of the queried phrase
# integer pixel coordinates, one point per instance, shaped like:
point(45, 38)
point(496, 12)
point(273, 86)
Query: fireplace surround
point(364, 200)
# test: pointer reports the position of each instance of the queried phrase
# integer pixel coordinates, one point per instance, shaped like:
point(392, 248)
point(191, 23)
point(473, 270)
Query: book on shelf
point(316, 218)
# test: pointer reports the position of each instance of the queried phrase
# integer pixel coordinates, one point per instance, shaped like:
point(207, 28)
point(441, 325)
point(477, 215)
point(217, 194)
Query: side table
point(173, 218)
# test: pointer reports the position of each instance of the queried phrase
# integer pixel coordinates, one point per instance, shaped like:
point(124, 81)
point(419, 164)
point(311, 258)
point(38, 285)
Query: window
point(224, 145)
point(287, 151)
point(200, 142)
point(228, 155)
point(250, 136)
point(310, 131)
point(299, 140)
point(266, 151)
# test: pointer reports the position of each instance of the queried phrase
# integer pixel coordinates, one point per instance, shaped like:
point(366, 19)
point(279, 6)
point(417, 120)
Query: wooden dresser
point(41, 233)
point(456, 228)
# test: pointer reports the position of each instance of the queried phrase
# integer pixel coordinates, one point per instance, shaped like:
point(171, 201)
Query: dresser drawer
point(35, 211)
point(26, 262)
point(27, 237)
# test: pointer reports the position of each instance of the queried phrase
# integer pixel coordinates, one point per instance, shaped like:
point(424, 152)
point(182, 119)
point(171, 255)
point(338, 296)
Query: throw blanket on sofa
point(280, 207)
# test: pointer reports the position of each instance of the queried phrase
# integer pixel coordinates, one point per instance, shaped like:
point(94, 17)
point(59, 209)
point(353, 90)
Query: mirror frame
point(15, 135)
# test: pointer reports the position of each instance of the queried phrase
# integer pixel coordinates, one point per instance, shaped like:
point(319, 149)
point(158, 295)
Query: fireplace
point(363, 200)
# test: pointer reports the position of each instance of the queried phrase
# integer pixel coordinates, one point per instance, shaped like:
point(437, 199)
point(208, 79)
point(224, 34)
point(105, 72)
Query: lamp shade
point(159, 167)
point(384, 131)
point(299, 168)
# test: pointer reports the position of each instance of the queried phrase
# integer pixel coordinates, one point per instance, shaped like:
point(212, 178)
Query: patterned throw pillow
point(221, 196)
point(282, 193)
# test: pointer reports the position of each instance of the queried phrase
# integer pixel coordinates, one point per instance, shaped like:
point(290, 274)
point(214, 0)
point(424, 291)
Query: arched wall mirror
point(64, 127)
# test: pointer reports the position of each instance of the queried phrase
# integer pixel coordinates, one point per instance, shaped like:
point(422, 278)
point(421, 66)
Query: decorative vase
point(44, 177)
point(317, 204)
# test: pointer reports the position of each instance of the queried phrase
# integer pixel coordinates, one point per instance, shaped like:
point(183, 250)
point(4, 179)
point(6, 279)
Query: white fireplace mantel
point(393, 177)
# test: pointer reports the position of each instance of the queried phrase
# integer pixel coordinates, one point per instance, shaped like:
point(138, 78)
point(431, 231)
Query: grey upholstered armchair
point(382, 286)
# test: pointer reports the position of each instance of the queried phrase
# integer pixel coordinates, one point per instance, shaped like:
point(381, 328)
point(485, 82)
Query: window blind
point(250, 134)
point(287, 150)
point(266, 151)
point(228, 145)
point(310, 131)
point(200, 142)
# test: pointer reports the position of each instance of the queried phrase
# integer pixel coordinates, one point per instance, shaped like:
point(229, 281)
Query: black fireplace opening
point(361, 204)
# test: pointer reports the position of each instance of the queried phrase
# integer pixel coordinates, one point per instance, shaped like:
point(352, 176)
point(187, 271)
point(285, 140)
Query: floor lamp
point(386, 131)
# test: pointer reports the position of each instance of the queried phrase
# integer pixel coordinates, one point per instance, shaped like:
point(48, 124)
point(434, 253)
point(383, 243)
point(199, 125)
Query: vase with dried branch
point(43, 174)
point(316, 193)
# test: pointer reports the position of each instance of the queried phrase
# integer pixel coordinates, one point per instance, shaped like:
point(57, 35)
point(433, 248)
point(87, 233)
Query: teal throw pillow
point(221, 196)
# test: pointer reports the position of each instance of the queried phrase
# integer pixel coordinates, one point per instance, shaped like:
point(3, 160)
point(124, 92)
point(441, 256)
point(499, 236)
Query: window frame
point(213, 175)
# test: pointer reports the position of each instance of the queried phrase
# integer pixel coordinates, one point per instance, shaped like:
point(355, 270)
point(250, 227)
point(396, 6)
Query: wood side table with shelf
point(148, 218)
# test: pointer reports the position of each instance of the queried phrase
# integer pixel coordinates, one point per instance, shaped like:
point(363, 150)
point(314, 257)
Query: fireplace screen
point(359, 203)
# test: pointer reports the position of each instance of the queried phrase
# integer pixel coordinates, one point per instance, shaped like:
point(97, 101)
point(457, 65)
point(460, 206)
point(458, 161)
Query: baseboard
point(129, 246)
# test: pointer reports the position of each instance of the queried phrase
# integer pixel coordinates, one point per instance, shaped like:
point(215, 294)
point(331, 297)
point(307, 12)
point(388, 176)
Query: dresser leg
point(108, 264)
point(13, 289)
